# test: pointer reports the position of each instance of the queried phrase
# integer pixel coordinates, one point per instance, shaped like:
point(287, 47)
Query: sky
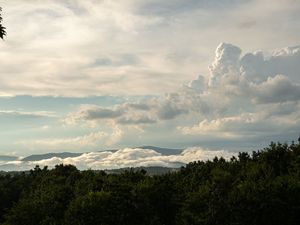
point(86, 75)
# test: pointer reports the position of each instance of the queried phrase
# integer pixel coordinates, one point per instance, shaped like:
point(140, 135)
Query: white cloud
point(226, 61)
point(234, 103)
point(247, 94)
point(129, 48)
point(83, 48)
point(124, 158)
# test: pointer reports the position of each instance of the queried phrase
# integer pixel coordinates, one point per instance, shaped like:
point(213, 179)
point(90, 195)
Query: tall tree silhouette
point(2, 29)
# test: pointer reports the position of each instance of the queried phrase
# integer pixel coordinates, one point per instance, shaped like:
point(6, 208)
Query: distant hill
point(7, 158)
point(62, 155)
point(163, 151)
point(153, 170)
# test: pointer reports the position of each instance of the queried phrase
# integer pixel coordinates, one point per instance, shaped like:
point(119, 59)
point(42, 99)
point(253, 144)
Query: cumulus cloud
point(226, 61)
point(198, 84)
point(149, 111)
point(243, 97)
point(246, 124)
point(276, 89)
point(283, 61)
point(246, 92)
point(127, 157)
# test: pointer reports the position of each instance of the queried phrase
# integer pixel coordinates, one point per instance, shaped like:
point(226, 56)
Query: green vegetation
point(258, 188)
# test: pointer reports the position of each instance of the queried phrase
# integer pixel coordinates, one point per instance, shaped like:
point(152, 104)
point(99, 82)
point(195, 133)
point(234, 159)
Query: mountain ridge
point(63, 155)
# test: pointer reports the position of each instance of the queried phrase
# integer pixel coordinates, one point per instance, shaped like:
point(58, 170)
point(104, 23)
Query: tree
point(2, 29)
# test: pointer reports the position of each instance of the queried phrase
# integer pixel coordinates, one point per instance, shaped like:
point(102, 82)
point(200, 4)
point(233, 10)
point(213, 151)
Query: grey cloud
point(75, 6)
point(276, 89)
point(169, 110)
point(284, 61)
point(247, 24)
point(117, 60)
point(199, 84)
point(123, 114)
point(139, 106)
point(283, 108)
point(136, 120)
point(101, 113)
point(172, 8)
point(147, 112)
point(253, 66)
point(103, 62)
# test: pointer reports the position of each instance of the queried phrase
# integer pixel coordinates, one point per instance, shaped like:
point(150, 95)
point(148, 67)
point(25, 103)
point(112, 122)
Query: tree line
point(258, 188)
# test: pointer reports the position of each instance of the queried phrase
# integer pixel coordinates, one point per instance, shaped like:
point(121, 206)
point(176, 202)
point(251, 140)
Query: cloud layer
point(84, 48)
point(122, 158)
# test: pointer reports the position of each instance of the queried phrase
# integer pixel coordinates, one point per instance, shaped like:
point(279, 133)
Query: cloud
point(127, 157)
point(93, 139)
point(173, 8)
point(126, 113)
point(65, 43)
point(199, 84)
point(93, 113)
point(64, 48)
point(276, 89)
point(137, 121)
point(24, 114)
point(150, 111)
point(283, 61)
point(246, 94)
point(246, 124)
point(226, 61)
point(240, 98)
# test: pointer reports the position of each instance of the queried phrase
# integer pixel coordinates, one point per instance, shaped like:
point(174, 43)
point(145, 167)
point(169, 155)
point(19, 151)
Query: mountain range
point(63, 155)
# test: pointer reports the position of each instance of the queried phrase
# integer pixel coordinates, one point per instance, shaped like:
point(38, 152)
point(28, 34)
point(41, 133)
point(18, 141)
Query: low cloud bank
point(128, 157)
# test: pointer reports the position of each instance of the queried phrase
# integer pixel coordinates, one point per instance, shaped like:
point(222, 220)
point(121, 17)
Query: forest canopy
point(258, 188)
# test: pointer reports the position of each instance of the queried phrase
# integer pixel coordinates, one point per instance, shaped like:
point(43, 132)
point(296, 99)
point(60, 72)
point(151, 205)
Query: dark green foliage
point(2, 29)
point(258, 188)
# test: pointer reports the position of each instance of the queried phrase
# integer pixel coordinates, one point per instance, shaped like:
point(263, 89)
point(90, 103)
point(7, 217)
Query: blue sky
point(85, 75)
